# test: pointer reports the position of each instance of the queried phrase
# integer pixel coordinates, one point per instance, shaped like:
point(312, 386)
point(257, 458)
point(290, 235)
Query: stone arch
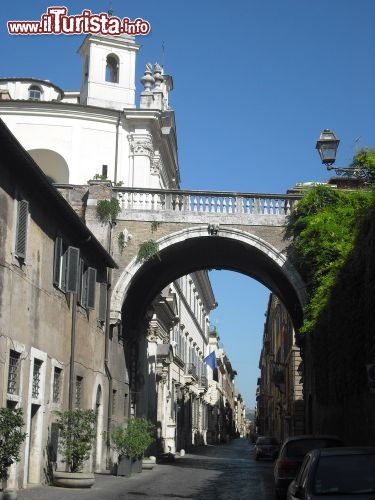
point(193, 249)
point(53, 164)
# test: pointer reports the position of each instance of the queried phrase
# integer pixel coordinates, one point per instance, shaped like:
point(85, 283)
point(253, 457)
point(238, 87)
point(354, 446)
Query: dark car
point(335, 473)
point(292, 453)
point(266, 447)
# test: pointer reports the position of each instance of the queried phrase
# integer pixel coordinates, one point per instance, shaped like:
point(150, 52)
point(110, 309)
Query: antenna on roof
point(162, 54)
point(110, 9)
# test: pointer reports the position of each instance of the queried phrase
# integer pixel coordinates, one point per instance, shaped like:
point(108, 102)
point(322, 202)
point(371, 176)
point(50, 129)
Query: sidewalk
point(106, 487)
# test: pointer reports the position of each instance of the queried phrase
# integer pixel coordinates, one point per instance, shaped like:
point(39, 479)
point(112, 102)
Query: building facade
point(280, 405)
point(77, 140)
point(53, 311)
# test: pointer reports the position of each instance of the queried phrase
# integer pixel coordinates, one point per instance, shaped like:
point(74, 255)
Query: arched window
point(112, 69)
point(35, 93)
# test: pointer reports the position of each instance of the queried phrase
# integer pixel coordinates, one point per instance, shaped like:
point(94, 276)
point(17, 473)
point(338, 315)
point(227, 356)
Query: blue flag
point(210, 360)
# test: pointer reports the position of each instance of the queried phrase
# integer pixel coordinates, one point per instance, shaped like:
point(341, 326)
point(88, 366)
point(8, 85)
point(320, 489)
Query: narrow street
point(224, 472)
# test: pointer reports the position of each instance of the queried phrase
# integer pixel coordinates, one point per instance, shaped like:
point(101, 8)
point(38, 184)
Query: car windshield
point(345, 474)
point(266, 441)
point(299, 448)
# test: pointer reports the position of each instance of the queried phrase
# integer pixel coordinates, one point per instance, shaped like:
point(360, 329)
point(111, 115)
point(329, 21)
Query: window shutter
point(91, 284)
point(57, 261)
point(103, 302)
point(81, 293)
point(21, 233)
point(72, 270)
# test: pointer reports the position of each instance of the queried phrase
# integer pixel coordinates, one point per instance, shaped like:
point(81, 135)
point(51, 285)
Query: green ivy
point(364, 161)
point(323, 228)
point(108, 210)
point(148, 250)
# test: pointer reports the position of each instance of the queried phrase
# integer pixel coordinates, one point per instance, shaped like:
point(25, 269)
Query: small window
point(56, 394)
point(114, 401)
point(14, 372)
point(21, 230)
point(112, 69)
point(35, 93)
point(79, 388)
point(36, 378)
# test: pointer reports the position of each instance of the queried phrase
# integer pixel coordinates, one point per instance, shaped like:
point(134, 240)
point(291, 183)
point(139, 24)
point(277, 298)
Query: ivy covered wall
point(334, 249)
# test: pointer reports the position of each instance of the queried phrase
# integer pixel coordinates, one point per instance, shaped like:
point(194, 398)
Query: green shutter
point(21, 232)
point(57, 261)
point(91, 285)
point(72, 270)
point(103, 302)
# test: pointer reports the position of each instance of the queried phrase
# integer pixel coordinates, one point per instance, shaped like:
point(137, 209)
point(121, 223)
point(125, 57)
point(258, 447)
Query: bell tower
point(108, 71)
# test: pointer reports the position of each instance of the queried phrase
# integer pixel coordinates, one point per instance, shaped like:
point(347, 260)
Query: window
point(66, 267)
point(35, 391)
point(21, 229)
point(56, 390)
point(86, 295)
point(112, 69)
point(79, 387)
point(114, 401)
point(35, 93)
point(14, 372)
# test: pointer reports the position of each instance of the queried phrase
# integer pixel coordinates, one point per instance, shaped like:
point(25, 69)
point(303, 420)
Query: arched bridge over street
point(196, 230)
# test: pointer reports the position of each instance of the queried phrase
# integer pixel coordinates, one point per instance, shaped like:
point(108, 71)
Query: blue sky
point(255, 81)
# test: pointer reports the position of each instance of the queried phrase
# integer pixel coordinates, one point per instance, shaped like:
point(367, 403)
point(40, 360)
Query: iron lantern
point(327, 145)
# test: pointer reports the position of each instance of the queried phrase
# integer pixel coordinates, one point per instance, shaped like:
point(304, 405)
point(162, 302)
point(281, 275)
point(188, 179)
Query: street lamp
point(327, 145)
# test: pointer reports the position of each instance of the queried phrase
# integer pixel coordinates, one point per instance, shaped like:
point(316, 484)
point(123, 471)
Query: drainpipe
point(106, 355)
point(72, 349)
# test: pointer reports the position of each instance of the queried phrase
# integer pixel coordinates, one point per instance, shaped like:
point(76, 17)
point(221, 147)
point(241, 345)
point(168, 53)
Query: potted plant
point(11, 439)
point(131, 442)
point(77, 431)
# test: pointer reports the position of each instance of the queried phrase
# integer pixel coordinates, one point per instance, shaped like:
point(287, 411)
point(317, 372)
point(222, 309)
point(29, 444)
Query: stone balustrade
point(205, 201)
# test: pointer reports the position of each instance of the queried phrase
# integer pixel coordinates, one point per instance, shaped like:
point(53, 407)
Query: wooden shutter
point(72, 270)
point(91, 285)
point(58, 251)
point(103, 302)
point(21, 232)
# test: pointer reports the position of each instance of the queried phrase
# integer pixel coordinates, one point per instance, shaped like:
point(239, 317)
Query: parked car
point(266, 447)
point(292, 453)
point(335, 473)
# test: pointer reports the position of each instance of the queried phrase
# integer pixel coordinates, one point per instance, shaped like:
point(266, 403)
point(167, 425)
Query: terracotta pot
point(73, 479)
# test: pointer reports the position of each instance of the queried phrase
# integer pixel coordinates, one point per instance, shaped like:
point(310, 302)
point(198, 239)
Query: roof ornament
point(158, 76)
point(147, 79)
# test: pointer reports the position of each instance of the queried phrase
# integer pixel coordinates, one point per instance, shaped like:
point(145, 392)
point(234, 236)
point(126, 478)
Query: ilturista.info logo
point(56, 22)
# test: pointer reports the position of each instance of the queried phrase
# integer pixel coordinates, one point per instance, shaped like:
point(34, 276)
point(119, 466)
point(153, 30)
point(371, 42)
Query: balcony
point(203, 383)
point(190, 374)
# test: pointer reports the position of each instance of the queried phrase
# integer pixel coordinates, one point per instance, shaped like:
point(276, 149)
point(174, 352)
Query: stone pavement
point(106, 487)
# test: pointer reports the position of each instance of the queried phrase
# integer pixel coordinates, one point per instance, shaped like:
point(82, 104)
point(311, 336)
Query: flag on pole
point(210, 360)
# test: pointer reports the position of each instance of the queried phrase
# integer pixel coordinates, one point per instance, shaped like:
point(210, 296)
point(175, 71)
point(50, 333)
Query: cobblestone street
point(224, 472)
